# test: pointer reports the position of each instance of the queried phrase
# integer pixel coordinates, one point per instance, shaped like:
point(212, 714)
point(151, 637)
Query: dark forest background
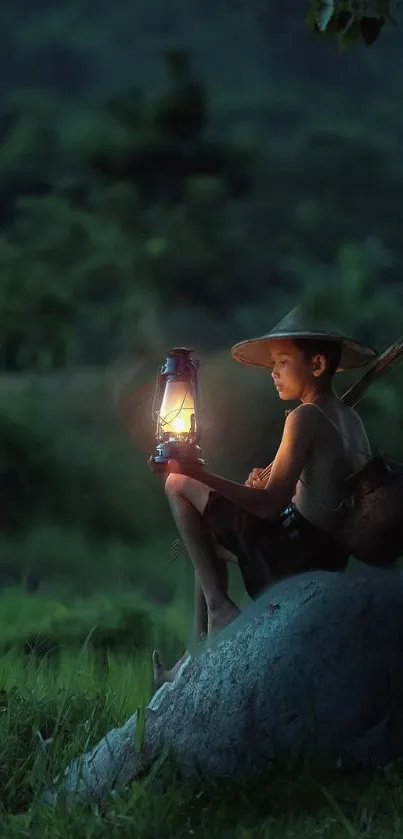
point(175, 172)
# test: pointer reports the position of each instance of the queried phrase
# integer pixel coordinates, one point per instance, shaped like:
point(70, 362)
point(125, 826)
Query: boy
point(283, 524)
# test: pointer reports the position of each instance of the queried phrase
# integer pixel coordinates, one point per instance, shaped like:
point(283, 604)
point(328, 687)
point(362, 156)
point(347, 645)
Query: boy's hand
point(171, 466)
point(194, 470)
point(256, 480)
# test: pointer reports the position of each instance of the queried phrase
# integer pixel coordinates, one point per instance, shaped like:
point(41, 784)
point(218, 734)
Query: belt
point(290, 520)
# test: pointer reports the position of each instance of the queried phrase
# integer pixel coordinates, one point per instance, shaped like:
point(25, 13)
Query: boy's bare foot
point(219, 618)
point(161, 675)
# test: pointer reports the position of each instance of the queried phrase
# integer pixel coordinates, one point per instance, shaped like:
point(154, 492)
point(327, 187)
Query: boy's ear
point(319, 365)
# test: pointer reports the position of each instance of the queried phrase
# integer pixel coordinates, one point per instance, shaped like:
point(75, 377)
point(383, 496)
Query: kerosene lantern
point(176, 411)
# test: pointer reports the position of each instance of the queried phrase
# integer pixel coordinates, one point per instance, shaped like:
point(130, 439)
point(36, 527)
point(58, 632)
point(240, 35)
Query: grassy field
point(73, 668)
point(75, 656)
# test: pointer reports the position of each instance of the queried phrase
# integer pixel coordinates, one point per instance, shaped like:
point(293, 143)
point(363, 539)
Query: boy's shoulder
point(336, 407)
point(312, 418)
point(311, 423)
point(302, 413)
point(302, 421)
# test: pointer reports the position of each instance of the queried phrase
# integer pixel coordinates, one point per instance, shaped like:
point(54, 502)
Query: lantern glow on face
point(177, 408)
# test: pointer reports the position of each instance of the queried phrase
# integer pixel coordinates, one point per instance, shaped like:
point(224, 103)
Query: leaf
point(350, 36)
point(325, 14)
point(371, 28)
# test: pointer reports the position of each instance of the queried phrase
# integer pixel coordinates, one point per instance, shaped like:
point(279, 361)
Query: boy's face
point(293, 375)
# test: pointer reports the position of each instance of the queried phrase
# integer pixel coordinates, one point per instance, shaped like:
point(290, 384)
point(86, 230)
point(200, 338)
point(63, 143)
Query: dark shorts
point(270, 550)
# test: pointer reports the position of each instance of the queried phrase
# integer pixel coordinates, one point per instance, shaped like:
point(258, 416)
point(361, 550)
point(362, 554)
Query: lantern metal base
point(185, 453)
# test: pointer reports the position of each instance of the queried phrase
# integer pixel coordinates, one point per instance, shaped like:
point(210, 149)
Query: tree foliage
point(141, 212)
point(189, 211)
point(349, 22)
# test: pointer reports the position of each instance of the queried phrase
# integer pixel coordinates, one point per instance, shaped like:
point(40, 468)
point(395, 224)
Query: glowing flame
point(177, 408)
point(178, 425)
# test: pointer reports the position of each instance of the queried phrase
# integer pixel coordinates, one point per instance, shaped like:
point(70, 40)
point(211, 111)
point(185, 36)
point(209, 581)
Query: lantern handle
point(158, 394)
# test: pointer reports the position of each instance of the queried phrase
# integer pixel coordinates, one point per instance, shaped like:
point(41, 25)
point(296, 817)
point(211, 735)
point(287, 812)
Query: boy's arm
point(300, 431)
point(298, 435)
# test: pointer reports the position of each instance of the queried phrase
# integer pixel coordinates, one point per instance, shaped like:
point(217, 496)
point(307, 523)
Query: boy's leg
point(188, 498)
point(161, 674)
point(200, 624)
point(200, 615)
point(213, 608)
point(200, 628)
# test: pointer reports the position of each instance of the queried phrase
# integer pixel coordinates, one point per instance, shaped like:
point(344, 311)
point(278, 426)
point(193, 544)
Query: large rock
point(312, 667)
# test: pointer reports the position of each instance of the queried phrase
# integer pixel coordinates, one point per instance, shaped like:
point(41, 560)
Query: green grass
point(83, 683)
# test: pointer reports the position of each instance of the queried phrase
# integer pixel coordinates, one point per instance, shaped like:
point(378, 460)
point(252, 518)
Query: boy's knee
point(175, 484)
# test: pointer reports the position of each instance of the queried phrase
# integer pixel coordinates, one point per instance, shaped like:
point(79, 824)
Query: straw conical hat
point(301, 323)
